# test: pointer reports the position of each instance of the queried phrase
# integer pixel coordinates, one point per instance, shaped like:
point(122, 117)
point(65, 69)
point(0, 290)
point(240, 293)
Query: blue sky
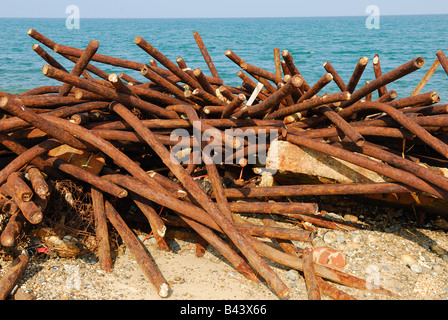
point(211, 8)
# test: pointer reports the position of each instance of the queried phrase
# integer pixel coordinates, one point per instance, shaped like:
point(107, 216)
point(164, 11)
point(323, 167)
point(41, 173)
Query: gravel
point(410, 261)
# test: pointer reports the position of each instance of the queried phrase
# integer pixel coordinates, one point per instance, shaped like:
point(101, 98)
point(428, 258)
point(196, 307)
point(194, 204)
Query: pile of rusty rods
point(114, 115)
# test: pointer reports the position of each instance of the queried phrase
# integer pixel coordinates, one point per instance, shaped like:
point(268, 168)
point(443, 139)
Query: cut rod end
point(419, 62)
point(348, 95)
point(113, 77)
point(3, 101)
point(297, 80)
point(45, 69)
point(138, 40)
point(434, 96)
point(197, 72)
point(241, 97)
point(164, 289)
point(94, 44)
point(363, 61)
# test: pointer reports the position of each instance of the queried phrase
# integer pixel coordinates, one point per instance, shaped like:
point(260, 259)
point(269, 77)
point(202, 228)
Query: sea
point(312, 41)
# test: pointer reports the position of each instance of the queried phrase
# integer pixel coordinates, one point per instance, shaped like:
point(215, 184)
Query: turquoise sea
point(312, 41)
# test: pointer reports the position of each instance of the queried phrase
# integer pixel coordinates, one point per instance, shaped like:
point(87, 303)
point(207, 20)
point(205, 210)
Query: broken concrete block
point(291, 162)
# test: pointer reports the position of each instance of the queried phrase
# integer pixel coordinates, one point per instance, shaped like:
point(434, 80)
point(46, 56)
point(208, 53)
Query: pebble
point(372, 239)
point(351, 218)
point(329, 237)
point(340, 239)
point(407, 259)
point(292, 275)
point(416, 268)
point(437, 249)
point(437, 269)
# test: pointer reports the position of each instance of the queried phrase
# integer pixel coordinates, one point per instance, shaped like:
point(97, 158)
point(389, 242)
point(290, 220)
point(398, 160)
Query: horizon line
point(261, 17)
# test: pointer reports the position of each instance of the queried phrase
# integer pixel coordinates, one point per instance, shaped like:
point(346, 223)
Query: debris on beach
point(88, 161)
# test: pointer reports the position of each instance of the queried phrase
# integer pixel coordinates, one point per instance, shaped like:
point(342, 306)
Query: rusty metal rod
point(236, 235)
point(364, 131)
point(143, 44)
point(38, 121)
point(46, 101)
point(204, 95)
point(156, 223)
point(318, 190)
point(18, 149)
point(443, 60)
point(273, 100)
point(27, 157)
point(80, 65)
point(41, 90)
point(404, 120)
point(117, 62)
point(152, 75)
point(119, 85)
point(422, 99)
point(312, 285)
point(251, 69)
point(233, 105)
point(343, 125)
point(287, 56)
point(378, 73)
point(19, 187)
point(12, 230)
point(200, 77)
point(331, 274)
point(88, 177)
point(138, 251)
point(29, 209)
point(47, 57)
point(316, 88)
point(40, 186)
point(206, 55)
point(383, 169)
point(180, 123)
point(189, 213)
point(309, 104)
point(385, 79)
point(426, 77)
point(101, 230)
point(399, 162)
point(274, 207)
point(336, 77)
point(13, 275)
point(15, 123)
point(107, 92)
point(357, 74)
